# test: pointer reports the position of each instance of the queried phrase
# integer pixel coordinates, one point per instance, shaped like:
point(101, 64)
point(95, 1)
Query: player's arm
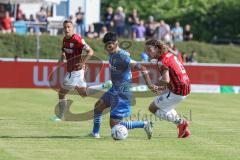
point(165, 79)
point(88, 50)
point(136, 66)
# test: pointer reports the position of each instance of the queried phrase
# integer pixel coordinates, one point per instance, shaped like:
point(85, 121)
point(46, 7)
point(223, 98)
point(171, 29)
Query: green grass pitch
point(26, 132)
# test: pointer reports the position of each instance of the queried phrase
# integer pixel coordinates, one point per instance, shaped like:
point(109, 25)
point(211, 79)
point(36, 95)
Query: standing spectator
point(103, 32)
point(164, 32)
point(119, 21)
point(6, 23)
point(150, 28)
point(177, 32)
point(42, 19)
point(91, 32)
point(80, 22)
point(187, 34)
point(108, 19)
point(19, 15)
point(133, 19)
point(138, 31)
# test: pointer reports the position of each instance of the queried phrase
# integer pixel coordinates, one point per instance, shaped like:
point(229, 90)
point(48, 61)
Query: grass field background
point(26, 132)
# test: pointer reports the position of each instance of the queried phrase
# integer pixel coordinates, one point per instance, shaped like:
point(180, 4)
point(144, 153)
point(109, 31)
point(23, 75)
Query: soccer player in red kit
point(174, 84)
point(72, 48)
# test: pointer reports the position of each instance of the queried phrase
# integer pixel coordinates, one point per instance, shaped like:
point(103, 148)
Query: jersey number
point(180, 65)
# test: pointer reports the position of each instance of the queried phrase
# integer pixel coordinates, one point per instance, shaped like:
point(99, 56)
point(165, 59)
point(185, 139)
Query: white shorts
point(74, 79)
point(168, 101)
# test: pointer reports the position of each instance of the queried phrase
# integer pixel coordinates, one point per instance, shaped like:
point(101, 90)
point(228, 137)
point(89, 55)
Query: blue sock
point(133, 124)
point(97, 122)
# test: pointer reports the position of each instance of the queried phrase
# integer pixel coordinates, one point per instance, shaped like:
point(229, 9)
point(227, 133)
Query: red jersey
point(179, 81)
point(73, 49)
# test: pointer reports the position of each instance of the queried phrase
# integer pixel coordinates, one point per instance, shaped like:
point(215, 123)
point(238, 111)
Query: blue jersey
point(120, 71)
point(119, 96)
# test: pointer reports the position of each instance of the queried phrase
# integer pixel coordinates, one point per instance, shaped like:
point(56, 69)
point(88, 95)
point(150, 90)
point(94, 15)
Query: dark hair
point(110, 37)
point(67, 21)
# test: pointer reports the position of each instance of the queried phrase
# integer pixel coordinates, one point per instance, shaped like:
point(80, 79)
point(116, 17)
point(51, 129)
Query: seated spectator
point(177, 32)
point(91, 32)
point(150, 27)
point(144, 57)
point(187, 34)
point(164, 32)
point(6, 23)
point(21, 26)
point(177, 53)
point(33, 27)
point(103, 32)
point(185, 57)
point(138, 31)
point(193, 57)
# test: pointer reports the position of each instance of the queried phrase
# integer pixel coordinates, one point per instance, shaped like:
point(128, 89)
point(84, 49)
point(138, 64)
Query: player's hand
point(157, 89)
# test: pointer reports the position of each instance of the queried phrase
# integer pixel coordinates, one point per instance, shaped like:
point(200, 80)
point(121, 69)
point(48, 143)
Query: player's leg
point(102, 103)
point(122, 109)
point(84, 90)
point(164, 108)
point(99, 107)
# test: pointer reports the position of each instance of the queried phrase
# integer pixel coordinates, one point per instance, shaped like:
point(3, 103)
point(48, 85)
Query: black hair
point(110, 37)
point(67, 21)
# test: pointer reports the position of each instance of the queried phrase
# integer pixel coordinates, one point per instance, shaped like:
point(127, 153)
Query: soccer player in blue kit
point(118, 98)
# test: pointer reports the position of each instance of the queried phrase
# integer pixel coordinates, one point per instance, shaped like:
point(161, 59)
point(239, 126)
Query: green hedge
point(50, 47)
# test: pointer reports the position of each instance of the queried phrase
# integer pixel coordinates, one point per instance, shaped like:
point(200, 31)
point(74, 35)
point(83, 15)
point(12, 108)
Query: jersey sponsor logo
point(67, 50)
point(71, 45)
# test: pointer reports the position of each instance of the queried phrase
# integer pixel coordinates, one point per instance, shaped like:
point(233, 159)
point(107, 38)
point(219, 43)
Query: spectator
point(108, 19)
point(16, 58)
point(119, 21)
point(138, 31)
point(6, 23)
point(133, 19)
point(164, 32)
point(20, 14)
point(150, 28)
point(33, 27)
point(144, 57)
point(177, 32)
point(185, 57)
point(103, 32)
point(187, 35)
point(91, 32)
point(177, 53)
point(80, 22)
point(193, 57)
point(42, 18)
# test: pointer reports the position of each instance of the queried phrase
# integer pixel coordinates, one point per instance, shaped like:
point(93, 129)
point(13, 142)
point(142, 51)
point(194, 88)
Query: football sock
point(97, 122)
point(62, 105)
point(171, 116)
point(133, 124)
point(93, 89)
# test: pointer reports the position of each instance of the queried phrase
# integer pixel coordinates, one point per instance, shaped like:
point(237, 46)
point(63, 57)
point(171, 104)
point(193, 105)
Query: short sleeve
point(125, 59)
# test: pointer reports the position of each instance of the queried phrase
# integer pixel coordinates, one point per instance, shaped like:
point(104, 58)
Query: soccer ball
point(119, 132)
